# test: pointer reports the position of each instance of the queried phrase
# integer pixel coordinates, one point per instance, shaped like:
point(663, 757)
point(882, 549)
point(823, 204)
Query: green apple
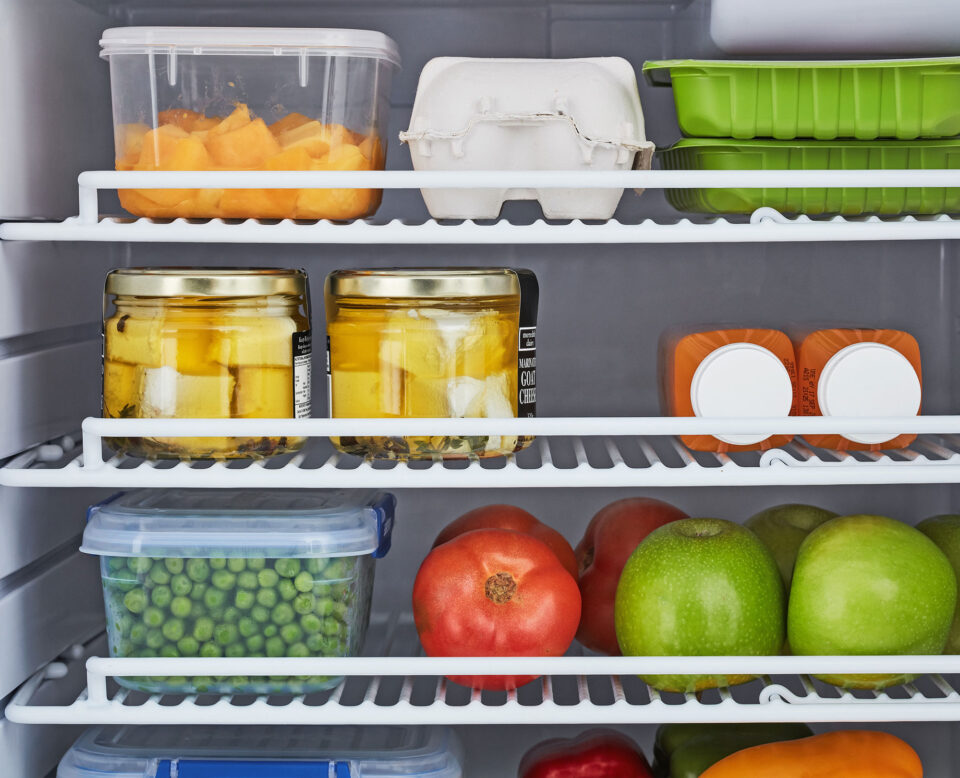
point(870, 585)
point(699, 587)
point(783, 528)
point(945, 532)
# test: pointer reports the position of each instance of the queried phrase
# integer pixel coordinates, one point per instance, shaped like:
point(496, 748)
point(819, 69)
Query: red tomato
point(610, 539)
point(517, 519)
point(495, 592)
point(599, 753)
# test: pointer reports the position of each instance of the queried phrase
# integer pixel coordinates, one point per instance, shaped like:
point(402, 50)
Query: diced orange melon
point(205, 123)
point(289, 122)
point(159, 145)
point(291, 159)
point(236, 120)
point(313, 137)
point(258, 203)
point(131, 141)
point(245, 148)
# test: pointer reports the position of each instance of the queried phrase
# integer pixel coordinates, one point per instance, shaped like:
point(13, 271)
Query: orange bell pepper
point(844, 754)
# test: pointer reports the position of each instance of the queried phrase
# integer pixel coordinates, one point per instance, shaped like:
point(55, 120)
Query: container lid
point(741, 380)
point(869, 379)
point(275, 752)
point(416, 283)
point(205, 282)
point(221, 522)
point(279, 41)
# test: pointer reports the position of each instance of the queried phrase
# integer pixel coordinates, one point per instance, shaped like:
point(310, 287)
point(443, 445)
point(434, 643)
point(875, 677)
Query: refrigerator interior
point(602, 308)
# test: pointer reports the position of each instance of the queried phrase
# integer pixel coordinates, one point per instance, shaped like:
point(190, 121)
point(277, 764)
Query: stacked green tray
point(726, 154)
point(906, 99)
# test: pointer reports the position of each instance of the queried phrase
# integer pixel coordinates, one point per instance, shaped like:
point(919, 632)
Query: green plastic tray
point(724, 154)
point(905, 99)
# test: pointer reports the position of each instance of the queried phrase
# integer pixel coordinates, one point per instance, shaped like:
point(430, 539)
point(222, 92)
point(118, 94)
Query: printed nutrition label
point(302, 353)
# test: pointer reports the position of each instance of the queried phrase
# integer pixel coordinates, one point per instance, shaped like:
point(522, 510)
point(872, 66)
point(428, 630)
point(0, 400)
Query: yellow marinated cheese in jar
point(430, 344)
point(224, 343)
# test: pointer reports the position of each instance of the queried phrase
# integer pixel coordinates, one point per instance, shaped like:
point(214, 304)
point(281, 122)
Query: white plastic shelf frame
point(568, 452)
point(392, 684)
point(764, 225)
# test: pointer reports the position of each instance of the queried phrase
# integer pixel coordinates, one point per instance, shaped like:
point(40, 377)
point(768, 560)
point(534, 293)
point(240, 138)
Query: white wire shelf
point(764, 225)
point(569, 452)
point(392, 684)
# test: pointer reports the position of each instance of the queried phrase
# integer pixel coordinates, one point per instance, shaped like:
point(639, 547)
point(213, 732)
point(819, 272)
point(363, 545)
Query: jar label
point(302, 352)
point(527, 347)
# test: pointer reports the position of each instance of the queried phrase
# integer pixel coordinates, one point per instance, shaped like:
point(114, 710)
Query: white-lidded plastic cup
point(869, 379)
point(741, 380)
point(168, 76)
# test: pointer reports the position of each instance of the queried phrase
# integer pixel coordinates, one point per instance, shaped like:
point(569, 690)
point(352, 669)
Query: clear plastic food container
point(246, 98)
point(210, 573)
point(196, 343)
point(432, 343)
point(278, 752)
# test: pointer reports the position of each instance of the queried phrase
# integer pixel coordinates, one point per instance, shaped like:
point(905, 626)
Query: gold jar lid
point(206, 282)
point(425, 282)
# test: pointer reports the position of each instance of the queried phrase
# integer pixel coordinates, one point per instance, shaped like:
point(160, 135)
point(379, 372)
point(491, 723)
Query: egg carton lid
point(251, 40)
point(455, 94)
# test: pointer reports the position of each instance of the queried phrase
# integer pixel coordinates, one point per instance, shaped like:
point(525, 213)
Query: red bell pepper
point(599, 753)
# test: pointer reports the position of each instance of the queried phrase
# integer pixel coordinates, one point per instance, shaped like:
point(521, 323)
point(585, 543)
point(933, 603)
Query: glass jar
point(432, 343)
point(206, 343)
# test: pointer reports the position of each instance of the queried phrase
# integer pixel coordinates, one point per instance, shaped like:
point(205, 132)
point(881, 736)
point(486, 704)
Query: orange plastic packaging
point(859, 372)
point(728, 372)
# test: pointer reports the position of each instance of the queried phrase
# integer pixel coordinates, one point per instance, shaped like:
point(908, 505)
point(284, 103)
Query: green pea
point(260, 614)
point(224, 580)
point(173, 629)
point(161, 596)
point(331, 626)
point(203, 629)
point(291, 633)
point(247, 626)
point(180, 585)
point(310, 623)
point(267, 578)
point(218, 563)
point(287, 568)
point(138, 633)
point(202, 683)
point(282, 614)
point(316, 565)
point(275, 647)
point(286, 589)
point(197, 609)
point(244, 600)
point(298, 649)
point(198, 590)
point(231, 615)
point(146, 653)
point(247, 580)
point(139, 564)
point(214, 598)
point(304, 603)
point(236, 564)
point(340, 590)
point(315, 643)
point(210, 649)
point(256, 563)
point(197, 569)
point(116, 563)
point(135, 600)
point(174, 565)
point(340, 610)
point(124, 648)
point(124, 580)
point(324, 607)
point(159, 575)
point(153, 616)
point(234, 649)
point(180, 607)
point(255, 643)
point(321, 590)
point(267, 597)
point(168, 651)
point(216, 613)
point(303, 582)
point(188, 645)
point(335, 570)
point(270, 630)
point(225, 634)
point(155, 638)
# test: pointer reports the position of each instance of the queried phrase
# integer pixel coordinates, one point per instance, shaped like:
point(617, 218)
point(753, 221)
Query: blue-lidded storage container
point(263, 752)
point(249, 573)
